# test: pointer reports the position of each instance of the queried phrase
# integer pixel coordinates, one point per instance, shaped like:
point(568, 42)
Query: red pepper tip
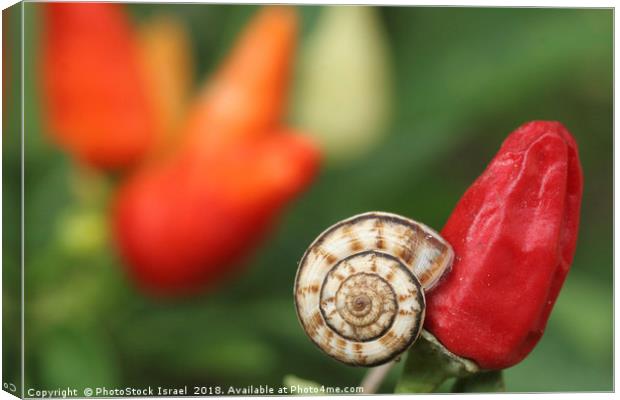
point(537, 128)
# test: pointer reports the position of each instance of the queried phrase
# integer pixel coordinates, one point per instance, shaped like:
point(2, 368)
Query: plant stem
point(481, 382)
point(374, 378)
point(429, 364)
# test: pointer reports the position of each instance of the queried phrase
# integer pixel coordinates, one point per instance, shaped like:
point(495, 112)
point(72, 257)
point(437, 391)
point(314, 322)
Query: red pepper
point(514, 233)
point(184, 223)
point(94, 96)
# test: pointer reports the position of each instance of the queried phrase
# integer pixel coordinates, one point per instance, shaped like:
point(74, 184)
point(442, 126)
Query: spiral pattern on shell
point(359, 289)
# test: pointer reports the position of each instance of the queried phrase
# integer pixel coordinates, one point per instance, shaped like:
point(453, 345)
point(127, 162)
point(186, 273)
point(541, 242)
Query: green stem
point(481, 382)
point(429, 364)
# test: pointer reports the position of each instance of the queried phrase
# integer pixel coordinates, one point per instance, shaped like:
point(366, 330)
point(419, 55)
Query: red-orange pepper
point(95, 98)
point(247, 95)
point(514, 233)
point(184, 223)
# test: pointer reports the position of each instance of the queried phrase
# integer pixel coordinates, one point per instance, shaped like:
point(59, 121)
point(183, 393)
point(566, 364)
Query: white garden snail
point(359, 289)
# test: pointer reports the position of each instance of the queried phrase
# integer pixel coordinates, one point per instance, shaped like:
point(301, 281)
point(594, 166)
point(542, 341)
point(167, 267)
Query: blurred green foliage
point(464, 78)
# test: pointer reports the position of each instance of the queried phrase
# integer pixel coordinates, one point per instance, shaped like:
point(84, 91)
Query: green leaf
point(77, 358)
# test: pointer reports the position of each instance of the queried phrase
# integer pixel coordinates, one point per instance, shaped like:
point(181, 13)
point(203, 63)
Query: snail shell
point(359, 289)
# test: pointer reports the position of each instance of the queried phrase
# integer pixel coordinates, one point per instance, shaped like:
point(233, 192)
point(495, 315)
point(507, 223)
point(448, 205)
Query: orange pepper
point(167, 65)
point(184, 223)
point(246, 96)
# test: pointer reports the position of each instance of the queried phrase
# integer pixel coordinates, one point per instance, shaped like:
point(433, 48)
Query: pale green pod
point(344, 88)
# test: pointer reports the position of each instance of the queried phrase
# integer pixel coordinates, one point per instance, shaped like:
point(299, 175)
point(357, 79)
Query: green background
point(464, 78)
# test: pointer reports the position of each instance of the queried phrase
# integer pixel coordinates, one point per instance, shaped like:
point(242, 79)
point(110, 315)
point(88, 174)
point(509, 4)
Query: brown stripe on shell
point(311, 329)
point(303, 290)
point(339, 277)
point(425, 277)
point(380, 241)
point(351, 269)
point(354, 242)
point(329, 257)
point(402, 341)
point(356, 245)
point(362, 359)
point(387, 338)
point(406, 254)
point(434, 268)
point(412, 235)
point(307, 289)
point(317, 319)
